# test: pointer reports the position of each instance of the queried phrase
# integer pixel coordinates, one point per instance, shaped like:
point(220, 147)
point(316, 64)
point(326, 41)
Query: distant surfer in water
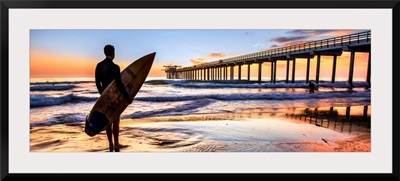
point(106, 72)
point(312, 87)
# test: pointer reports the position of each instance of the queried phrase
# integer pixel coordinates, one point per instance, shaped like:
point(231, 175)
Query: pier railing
point(338, 42)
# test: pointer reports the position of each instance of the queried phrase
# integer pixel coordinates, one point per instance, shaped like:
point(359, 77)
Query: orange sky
point(47, 65)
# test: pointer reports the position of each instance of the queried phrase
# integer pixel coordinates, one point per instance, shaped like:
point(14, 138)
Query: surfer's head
point(109, 51)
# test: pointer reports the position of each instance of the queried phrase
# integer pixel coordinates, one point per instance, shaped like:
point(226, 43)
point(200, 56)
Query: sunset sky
point(75, 53)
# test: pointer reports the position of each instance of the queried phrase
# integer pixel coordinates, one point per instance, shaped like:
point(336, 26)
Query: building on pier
point(171, 72)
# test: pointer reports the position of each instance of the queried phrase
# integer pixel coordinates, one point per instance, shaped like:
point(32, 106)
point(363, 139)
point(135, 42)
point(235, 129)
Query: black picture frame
point(394, 5)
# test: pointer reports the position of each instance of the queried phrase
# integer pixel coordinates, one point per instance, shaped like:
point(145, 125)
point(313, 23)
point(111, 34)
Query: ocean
point(66, 102)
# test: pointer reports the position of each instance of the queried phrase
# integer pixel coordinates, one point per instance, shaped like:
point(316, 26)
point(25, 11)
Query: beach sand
point(223, 132)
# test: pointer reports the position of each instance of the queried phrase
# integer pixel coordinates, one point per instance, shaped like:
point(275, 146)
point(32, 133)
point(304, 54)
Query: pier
point(333, 47)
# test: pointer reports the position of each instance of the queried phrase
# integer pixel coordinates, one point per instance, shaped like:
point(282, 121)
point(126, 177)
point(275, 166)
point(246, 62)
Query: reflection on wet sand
point(336, 118)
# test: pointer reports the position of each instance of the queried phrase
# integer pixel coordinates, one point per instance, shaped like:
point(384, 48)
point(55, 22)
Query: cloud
point(216, 55)
point(309, 32)
point(288, 39)
point(302, 36)
point(343, 32)
point(274, 46)
point(210, 57)
point(197, 61)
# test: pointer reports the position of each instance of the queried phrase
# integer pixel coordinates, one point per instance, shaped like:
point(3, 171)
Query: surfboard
point(112, 102)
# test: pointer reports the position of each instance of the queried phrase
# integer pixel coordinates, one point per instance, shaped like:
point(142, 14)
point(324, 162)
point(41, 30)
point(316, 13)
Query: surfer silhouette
point(312, 87)
point(106, 72)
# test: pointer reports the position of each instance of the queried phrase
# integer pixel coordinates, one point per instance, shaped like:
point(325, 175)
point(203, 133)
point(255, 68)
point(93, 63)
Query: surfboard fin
point(95, 123)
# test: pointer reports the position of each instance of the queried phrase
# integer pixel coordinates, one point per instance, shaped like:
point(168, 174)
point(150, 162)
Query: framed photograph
point(180, 89)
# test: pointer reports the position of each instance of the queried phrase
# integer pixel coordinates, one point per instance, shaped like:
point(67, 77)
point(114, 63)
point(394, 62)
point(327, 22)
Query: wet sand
point(224, 132)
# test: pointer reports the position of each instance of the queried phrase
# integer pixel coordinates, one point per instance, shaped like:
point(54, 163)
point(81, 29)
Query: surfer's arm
point(121, 86)
point(98, 83)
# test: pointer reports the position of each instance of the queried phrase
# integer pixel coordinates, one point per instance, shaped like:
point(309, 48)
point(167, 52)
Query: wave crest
point(47, 87)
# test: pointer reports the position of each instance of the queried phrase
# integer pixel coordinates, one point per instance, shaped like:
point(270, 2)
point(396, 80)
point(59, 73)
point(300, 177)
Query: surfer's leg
point(117, 145)
point(116, 134)
point(109, 137)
